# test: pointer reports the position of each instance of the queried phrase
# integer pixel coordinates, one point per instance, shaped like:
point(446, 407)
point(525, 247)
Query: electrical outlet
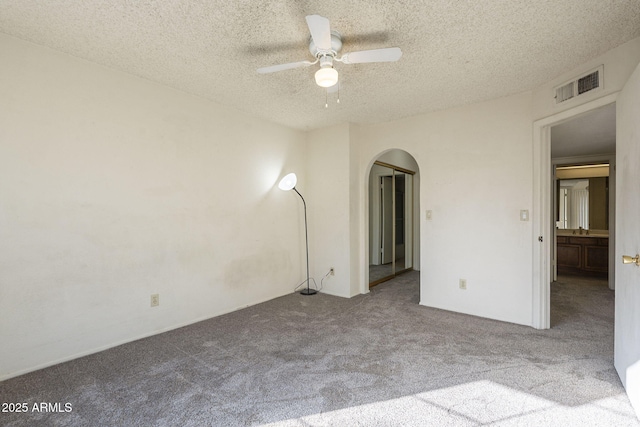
point(332, 271)
point(155, 300)
point(463, 284)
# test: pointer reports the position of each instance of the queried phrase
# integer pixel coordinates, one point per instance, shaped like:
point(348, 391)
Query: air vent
point(588, 82)
point(583, 84)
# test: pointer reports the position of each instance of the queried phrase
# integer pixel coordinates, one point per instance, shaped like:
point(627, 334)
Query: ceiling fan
point(325, 45)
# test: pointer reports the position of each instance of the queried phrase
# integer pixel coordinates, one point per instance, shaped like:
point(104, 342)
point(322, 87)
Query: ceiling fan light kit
point(325, 46)
point(326, 77)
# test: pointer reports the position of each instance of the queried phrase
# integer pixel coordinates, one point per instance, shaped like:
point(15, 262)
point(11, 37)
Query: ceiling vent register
point(583, 84)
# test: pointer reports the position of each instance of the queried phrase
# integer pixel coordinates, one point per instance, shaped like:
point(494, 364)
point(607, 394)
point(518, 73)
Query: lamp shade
point(326, 77)
point(288, 182)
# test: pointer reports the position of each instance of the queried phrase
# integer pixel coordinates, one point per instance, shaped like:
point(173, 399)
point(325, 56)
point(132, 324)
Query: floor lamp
point(289, 183)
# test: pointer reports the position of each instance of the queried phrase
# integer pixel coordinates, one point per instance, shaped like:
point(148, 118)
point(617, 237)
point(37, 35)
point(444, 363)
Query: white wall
point(474, 163)
point(627, 321)
point(330, 191)
point(113, 188)
point(357, 225)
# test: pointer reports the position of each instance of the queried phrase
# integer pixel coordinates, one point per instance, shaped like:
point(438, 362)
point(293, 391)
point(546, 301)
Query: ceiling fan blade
point(320, 30)
point(390, 54)
point(282, 67)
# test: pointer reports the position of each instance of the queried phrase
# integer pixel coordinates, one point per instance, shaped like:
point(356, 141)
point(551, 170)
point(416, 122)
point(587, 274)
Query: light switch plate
point(524, 215)
point(429, 215)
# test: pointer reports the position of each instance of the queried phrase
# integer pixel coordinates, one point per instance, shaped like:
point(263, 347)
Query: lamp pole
point(307, 291)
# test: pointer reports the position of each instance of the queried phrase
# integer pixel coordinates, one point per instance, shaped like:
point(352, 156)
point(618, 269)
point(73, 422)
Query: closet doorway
point(390, 221)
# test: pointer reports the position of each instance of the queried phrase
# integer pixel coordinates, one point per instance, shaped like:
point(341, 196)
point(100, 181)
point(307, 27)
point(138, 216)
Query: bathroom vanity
point(582, 254)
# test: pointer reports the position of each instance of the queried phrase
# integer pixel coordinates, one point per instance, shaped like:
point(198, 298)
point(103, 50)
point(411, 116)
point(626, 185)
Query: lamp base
point(308, 291)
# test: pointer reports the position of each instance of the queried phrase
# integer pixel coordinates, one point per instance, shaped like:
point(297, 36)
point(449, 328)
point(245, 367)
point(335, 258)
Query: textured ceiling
point(454, 52)
point(589, 134)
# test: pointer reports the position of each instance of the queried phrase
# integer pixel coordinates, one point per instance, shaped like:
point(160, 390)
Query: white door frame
point(542, 208)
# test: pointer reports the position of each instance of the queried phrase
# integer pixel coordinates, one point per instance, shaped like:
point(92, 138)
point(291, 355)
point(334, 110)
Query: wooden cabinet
point(587, 256)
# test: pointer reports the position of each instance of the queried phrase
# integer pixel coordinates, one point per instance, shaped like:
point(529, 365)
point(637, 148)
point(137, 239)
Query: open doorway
point(393, 233)
point(583, 201)
point(544, 184)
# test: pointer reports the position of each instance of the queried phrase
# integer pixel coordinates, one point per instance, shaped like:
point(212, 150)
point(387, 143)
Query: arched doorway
point(393, 207)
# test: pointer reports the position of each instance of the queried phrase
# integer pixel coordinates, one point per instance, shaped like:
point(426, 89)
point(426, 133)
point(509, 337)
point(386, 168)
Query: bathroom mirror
point(583, 203)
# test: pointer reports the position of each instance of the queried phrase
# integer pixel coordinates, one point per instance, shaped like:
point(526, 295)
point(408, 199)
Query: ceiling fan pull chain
point(338, 101)
point(326, 99)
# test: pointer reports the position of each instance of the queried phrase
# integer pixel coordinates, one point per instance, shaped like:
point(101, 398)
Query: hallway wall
point(475, 169)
